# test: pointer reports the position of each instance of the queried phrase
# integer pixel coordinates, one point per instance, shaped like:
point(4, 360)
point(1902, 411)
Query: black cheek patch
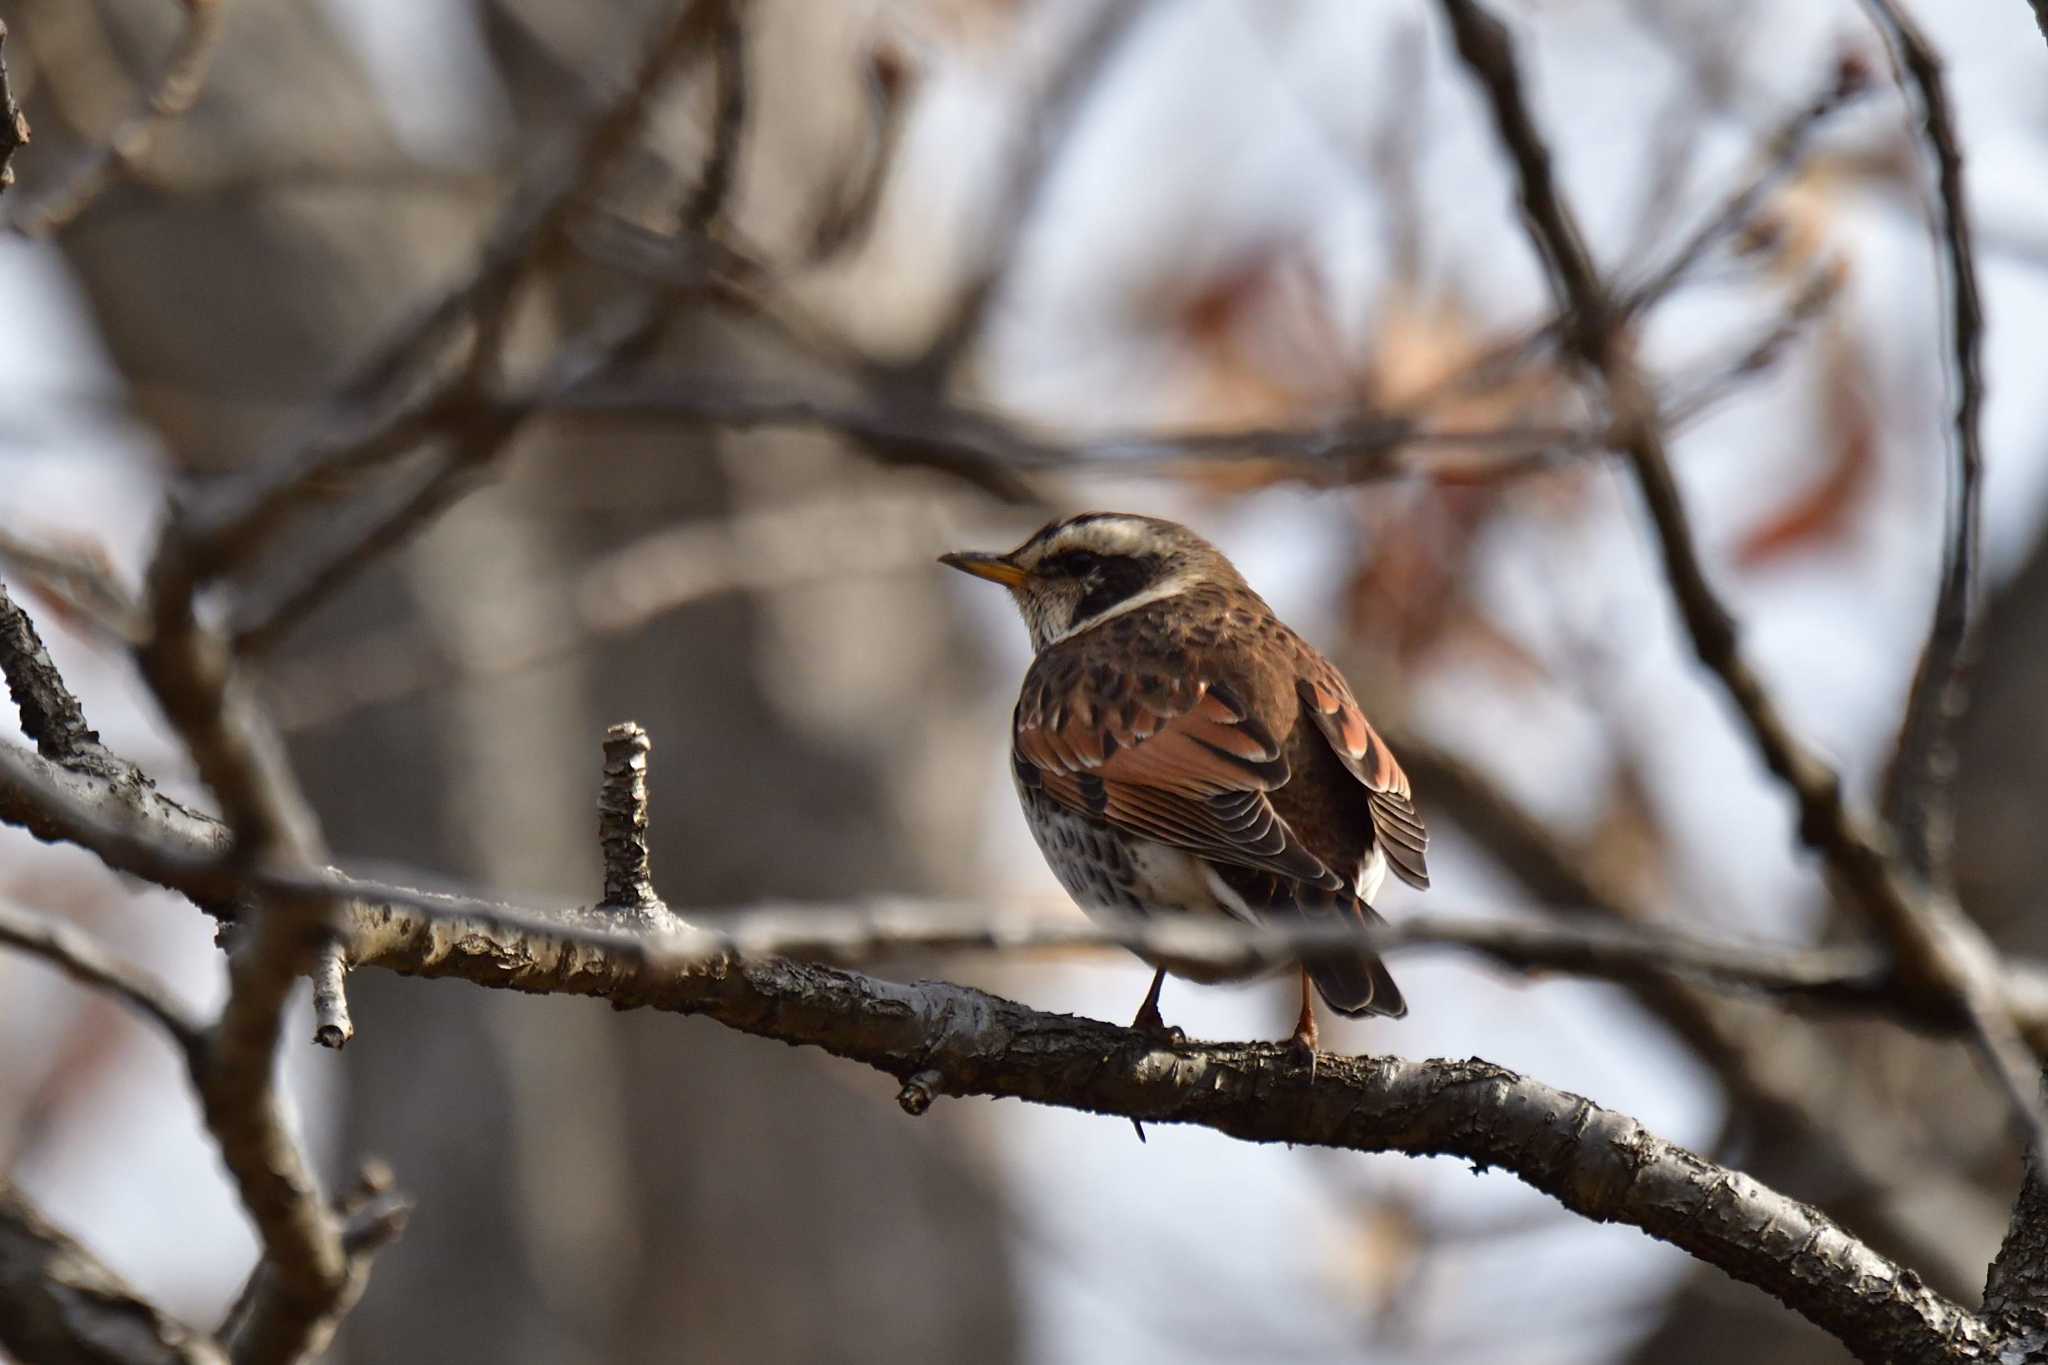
point(1113, 581)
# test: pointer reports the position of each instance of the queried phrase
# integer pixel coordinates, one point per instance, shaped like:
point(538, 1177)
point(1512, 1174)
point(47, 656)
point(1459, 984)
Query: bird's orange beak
point(995, 568)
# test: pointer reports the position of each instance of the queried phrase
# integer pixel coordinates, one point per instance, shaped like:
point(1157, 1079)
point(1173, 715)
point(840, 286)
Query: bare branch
point(59, 1305)
point(370, 1215)
point(75, 954)
point(1782, 152)
point(1931, 938)
point(307, 1280)
point(906, 426)
point(1824, 979)
point(1918, 801)
point(2016, 1287)
point(1761, 352)
point(176, 90)
point(956, 1041)
point(50, 715)
point(729, 114)
point(622, 820)
point(191, 672)
point(1766, 1070)
point(1045, 129)
point(231, 522)
point(13, 123)
point(333, 1026)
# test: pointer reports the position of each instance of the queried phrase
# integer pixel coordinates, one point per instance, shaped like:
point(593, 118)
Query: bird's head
point(1084, 569)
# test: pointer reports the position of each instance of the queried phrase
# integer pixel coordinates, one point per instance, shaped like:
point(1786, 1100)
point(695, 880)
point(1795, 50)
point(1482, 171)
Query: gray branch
point(60, 1306)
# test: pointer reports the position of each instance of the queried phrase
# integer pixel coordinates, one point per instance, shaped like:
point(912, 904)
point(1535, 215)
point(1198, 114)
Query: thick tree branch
point(60, 1306)
point(2016, 1287)
point(957, 1041)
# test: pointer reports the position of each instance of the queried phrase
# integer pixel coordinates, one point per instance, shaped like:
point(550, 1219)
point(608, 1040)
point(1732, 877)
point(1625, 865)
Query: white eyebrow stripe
point(1110, 535)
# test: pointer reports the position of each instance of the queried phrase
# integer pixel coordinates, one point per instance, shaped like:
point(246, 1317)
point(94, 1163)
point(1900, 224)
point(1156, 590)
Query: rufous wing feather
point(1396, 822)
point(1186, 763)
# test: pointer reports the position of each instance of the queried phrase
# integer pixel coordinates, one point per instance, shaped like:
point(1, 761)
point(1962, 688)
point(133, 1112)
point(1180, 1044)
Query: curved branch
point(959, 1041)
point(76, 955)
point(1918, 799)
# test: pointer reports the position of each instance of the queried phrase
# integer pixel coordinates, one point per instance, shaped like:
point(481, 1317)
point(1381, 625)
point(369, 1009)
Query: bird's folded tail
point(1357, 983)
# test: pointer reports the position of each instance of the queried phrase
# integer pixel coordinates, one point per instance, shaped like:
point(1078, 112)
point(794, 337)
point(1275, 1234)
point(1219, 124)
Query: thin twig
point(229, 523)
point(176, 90)
point(1782, 151)
point(622, 820)
point(728, 119)
point(1919, 795)
point(1761, 353)
point(1047, 124)
point(975, 443)
point(333, 1025)
point(76, 955)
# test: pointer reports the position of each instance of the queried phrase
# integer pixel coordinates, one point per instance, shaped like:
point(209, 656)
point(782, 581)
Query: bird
point(1178, 749)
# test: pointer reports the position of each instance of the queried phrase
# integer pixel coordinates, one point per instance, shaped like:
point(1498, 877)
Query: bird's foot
point(1157, 1030)
point(1149, 1023)
point(1305, 1036)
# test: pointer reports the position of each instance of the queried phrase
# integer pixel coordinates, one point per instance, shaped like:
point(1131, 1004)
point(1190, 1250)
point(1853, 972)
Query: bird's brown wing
point(1328, 700)
point(1182, 759)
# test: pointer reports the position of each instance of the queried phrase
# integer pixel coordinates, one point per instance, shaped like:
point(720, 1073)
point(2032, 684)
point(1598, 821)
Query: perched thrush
point(1178, 749)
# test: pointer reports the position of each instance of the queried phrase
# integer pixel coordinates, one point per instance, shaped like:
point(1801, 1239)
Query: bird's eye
point(1079, 563)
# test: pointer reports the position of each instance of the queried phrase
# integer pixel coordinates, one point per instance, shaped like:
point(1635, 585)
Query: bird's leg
point(1148, 1021)
point(1152, 1026)
point(1305, 1026)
